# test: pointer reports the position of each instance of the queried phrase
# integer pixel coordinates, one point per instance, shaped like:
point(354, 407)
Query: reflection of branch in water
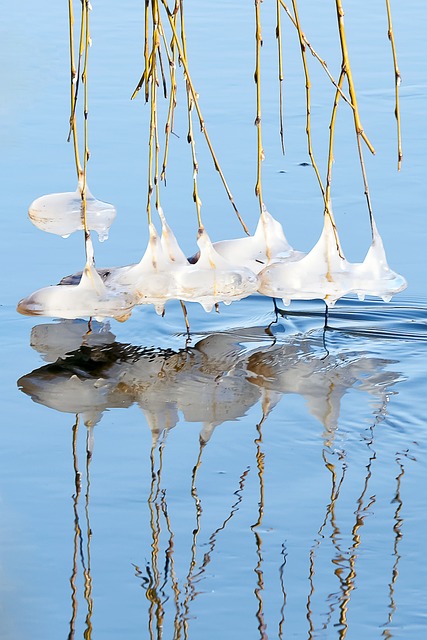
point(189, 588)
point(397, 528)
point(87, 571)
point(152, 583)
point(78, 539)
point(77, 532)
point(330, 514)
point(213, 537)
point(170, 565)
point(260, 457)
point(348, 583)
point(282, 588)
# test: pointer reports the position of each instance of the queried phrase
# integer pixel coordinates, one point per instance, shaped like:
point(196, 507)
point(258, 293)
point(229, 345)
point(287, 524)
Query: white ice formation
point(90, 297)
point(325, 274)
point(224, 271)
point(61, 214)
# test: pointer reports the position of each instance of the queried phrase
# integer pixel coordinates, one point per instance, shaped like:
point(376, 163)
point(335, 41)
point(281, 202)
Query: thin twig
point(257, 77)
point(280, 70)
point(397, 78)
point(170, 15)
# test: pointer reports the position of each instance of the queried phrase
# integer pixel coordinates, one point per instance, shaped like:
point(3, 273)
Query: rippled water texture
point(266, 478)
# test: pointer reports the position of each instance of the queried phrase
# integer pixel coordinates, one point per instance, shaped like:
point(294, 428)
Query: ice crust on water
point(325, 274)
point(223, 271)
point(213, 278)
point(88, 298)
point(61, 214)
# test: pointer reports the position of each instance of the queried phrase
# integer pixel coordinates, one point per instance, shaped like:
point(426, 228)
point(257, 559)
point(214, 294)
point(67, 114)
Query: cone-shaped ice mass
point(266, 246)
point(152, 280)
point(325, 274)
point(61, 214)
point(214, 279)
point(88, 298)
point(373, 276)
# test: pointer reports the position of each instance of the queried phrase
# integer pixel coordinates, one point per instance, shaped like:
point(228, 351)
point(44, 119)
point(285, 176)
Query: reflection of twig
point(258, 540)
point(189, 586)
point(348, 583)
point(212, 539)
point(171, 563)
point(77, 532)
point(87, 571)
point(282, 588)
point(78, 539)
point(330, 514)
point(156, 611)
point(397, 528)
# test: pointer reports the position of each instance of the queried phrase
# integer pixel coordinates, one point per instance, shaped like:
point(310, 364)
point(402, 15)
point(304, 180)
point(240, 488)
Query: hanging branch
point(190, 136)
point(280, 69)
point(347, 69)
point(397, 78)
point(308, 101)
point(87, 42)
point(357, 123)
point(257, 77)
point(331, 139)
point(199, 113)
point(172, 98)
point(73, 93)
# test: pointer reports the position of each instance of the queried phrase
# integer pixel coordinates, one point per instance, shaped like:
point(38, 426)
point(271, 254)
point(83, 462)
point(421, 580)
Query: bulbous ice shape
point(89, 298)
point(266, 246)
point(61, 214)
point(213, 279)
point(325, 274)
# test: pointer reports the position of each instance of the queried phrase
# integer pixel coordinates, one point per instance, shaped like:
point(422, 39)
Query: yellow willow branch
point(73, 95)
point(280, 70)
point(397, 79)
point(357, 123)
point(347, 68)
point(190, 135)
point(328, 203)
point(308, 100)
point(199, 114)
point(325, 67)
point(260, 156)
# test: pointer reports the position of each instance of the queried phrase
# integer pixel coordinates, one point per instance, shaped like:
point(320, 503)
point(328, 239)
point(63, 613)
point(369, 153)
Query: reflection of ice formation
point(217, 380)
point(61, 214)
point(224, 271)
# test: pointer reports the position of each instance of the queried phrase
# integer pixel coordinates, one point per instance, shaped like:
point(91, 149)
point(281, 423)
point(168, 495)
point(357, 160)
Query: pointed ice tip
point(386, 297)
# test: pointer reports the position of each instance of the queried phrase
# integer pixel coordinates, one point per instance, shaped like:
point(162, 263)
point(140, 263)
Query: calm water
point(267, 479)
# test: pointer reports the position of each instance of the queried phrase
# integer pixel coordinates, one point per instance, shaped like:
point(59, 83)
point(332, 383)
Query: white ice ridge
point(61, 214)
point(224, 271)
point(325, 274)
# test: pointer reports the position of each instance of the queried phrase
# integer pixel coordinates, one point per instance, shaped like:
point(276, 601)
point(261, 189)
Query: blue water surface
point(265, 479)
